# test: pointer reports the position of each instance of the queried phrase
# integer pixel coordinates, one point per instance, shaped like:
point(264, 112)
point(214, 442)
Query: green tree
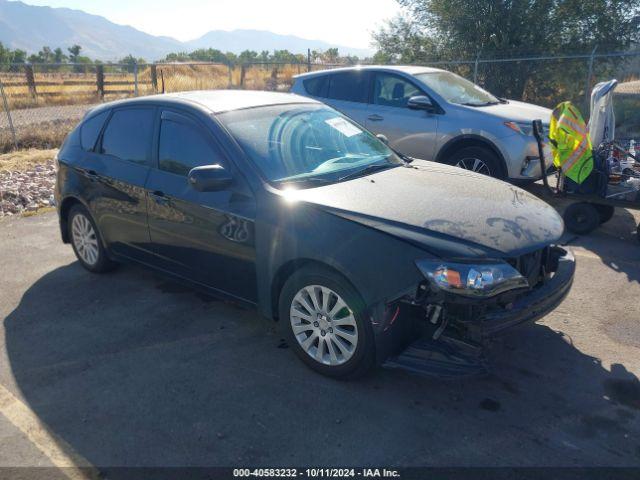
point(431, 30)
point(74, 53)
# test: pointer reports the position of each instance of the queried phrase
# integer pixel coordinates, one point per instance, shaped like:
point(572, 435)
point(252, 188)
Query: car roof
point(408, 69)
point(214, 101)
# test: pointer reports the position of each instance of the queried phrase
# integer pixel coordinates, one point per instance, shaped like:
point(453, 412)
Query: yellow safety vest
point(570, 143)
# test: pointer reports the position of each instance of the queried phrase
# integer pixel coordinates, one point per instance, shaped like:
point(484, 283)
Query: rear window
point(90, 130)
point(128, 134)
point(349, 86)
point(317, 86)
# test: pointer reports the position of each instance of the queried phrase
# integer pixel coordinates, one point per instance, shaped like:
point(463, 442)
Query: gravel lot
point(129, 369)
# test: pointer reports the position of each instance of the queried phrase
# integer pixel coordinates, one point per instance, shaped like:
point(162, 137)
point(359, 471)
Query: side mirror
point(209, 178)
point(383, 138)
point(420, 102)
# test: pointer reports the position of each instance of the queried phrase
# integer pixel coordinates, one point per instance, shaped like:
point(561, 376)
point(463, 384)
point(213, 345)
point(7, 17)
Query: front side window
point(352, 86)
point(128, 135)
point(184, 146)
point(455, 89)
point(306, 144)
point(90, 130)
point(393, 91)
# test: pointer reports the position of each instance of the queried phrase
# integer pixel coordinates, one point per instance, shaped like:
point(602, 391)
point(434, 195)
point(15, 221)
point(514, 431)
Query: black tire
point(102, 263)
point(581, 218)
point(363, 357)
point(605, 211)
point(467, 156)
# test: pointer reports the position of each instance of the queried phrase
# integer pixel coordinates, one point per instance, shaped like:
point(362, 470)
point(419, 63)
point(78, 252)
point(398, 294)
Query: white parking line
point(59, 452)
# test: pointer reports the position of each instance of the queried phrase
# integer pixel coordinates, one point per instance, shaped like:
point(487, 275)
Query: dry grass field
point(68, 88)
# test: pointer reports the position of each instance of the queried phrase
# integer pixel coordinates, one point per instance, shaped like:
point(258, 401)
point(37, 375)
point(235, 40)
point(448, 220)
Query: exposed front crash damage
point(446, 334)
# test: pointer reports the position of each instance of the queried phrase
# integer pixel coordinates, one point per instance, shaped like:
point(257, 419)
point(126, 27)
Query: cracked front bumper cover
point(532, 306)
point(451, 356)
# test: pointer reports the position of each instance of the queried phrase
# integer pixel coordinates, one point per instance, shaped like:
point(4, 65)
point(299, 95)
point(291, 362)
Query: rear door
point(412, 132)
point(203, 236)
point(348, 92)
point(117, 170)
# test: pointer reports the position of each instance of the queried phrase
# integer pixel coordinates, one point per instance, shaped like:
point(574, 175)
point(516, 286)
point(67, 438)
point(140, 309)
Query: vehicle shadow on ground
point(130, 369)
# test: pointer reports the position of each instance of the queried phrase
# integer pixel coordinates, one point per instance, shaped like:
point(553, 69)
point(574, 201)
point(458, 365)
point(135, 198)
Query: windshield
point(306, 143)
point(455, 89)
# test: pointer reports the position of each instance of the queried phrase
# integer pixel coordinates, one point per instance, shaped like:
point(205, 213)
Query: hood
point(447, 210)
point(517, 111)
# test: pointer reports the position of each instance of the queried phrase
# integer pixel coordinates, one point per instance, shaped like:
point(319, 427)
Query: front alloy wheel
point(324, 321)
point(323, 325)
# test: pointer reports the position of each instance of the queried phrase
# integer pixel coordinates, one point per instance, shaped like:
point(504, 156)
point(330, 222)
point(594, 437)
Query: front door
point(203, 236)
point(412, 132)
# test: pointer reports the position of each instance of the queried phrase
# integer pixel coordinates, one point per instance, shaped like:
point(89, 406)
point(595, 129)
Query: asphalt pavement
point(130, 369)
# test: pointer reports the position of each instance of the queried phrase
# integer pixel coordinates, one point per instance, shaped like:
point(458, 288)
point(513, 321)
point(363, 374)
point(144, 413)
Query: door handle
point(375, 117)
point(159, 197)
point(92, 175)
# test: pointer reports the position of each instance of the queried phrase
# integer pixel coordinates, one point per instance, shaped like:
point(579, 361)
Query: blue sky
point(344, 22)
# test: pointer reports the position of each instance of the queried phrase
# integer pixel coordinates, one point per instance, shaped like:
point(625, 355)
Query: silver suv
point(433, 114)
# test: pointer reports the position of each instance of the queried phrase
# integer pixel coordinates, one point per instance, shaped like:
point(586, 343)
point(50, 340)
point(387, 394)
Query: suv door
point(348, 92)
point(117, 171)
point(203, 236)
point(412, 132)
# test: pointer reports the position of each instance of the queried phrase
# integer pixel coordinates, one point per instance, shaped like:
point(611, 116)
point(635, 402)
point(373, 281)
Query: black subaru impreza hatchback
point(362, 255)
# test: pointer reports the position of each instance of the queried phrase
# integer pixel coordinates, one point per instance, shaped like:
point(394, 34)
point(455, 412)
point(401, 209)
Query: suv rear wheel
point(479, 160)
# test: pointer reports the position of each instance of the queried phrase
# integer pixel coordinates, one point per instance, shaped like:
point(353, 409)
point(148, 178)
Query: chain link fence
point(41, 103)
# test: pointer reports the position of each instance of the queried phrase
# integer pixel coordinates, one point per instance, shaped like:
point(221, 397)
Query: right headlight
point(476, 279)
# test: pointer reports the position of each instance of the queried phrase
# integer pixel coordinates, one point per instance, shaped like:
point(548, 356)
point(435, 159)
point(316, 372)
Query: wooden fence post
point(100, 81)
point(31, 80)
point(242, 74)
point(135, 79)
point(154, 78)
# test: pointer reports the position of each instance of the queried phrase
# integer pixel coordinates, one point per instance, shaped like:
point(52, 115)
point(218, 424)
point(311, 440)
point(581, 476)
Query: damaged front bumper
point(453, 331)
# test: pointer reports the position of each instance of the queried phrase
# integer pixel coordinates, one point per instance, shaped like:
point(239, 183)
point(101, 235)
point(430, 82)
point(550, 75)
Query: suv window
point(350, 86)
point(184, 146)
point(393, 91)
point(317, 86)
point(128, 134)
point(90, 130)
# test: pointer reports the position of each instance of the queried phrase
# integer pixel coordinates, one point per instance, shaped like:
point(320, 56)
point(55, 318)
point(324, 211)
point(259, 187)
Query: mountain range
point(29, 28)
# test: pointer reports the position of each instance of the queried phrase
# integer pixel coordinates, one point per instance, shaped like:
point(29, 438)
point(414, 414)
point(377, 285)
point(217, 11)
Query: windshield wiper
point(376, 167)
point(318, 180)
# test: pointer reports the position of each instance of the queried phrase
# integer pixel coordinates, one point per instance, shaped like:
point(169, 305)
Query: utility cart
point(614, 180)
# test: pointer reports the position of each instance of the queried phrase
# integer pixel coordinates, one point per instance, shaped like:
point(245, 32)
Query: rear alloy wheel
point(86, 242)
point(478, 159)
point(323, 319)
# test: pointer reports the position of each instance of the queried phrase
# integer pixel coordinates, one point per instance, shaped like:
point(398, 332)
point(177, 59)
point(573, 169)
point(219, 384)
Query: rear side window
point(128, 135)
point(90, 130)
point(350, 86)
point(184, 146)
point(317, 86)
